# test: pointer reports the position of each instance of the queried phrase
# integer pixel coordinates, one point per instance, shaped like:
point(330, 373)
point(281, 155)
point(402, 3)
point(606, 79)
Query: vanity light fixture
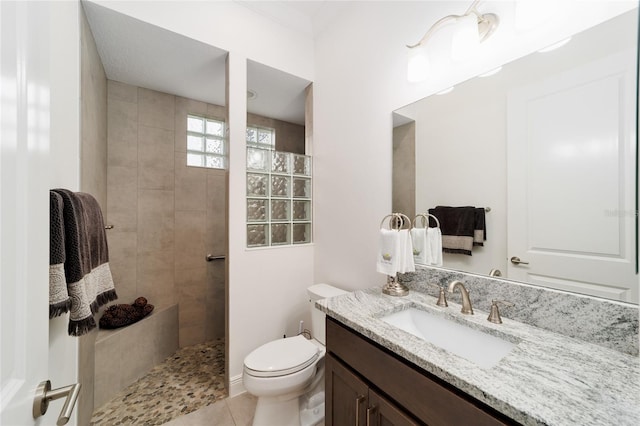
point(555, 46)
point(472, 29)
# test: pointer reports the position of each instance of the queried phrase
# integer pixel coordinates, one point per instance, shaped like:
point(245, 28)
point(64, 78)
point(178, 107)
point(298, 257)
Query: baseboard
point(236, 386)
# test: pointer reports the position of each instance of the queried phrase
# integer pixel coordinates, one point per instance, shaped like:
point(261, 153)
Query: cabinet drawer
point(420, 393)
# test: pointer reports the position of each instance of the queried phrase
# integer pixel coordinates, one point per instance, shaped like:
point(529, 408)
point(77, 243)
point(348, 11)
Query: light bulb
point(417, 64)
point(466, 39)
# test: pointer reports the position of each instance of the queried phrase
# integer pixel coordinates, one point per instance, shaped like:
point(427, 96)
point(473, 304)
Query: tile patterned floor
point(236, 411)
point(190, 379)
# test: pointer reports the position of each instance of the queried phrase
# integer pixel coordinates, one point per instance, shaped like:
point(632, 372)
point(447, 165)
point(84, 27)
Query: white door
point(571, 174)
point(24, 208)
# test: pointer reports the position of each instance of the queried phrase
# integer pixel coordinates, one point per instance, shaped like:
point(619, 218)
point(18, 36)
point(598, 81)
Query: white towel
point(420, 246)
point(395, 252)
point(434, 242)
point(406, 252)
point(388, 252)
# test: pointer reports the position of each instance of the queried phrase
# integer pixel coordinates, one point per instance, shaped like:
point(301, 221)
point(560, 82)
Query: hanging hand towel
point(87, 274)
point(421, 248)
point(434, 244)
point(406, 263)
point(388, 252)
point(59, 300)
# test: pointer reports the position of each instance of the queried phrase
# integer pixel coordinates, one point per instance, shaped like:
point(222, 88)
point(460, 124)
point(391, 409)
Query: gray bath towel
point(59, 300)
point(86, 267)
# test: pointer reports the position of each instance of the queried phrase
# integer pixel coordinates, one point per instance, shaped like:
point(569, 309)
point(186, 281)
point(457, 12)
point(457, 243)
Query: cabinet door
point(346, 395)
point(383, 413)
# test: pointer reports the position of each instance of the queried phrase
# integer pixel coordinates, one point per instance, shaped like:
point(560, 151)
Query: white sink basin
point(481, 348)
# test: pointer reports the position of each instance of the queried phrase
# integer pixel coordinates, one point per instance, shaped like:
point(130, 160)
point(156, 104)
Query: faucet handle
point(442, 298)
point(494, 315)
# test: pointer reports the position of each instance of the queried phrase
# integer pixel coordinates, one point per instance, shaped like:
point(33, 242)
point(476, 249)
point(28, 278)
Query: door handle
point(359, 401)
point(516, 261)
point(211, 258)
point(44, 395)
point(371, 411)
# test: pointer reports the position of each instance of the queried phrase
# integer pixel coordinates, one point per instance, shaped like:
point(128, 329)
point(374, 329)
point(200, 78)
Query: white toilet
point(287, 375)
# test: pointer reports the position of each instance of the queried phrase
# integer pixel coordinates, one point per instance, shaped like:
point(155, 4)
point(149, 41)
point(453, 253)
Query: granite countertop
point(546, 379)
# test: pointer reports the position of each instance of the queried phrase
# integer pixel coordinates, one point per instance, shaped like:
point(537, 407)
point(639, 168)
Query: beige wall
point(93, 179)
point(166, 216)
point(290, 137)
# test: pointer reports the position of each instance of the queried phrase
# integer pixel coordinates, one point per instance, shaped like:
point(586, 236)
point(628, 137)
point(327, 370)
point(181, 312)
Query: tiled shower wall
point(166, 216)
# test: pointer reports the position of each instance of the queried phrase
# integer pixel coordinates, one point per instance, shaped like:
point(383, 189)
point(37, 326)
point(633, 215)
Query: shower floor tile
point(188, 380)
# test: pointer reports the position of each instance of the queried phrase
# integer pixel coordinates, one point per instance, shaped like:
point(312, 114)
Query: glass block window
point(206, 143)
point(278, 197)
point(261, 137)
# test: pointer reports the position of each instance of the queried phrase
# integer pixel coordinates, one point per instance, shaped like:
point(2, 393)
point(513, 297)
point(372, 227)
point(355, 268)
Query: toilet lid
point(281, 357)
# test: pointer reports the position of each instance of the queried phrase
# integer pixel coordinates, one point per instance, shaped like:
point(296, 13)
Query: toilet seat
point(281, 357)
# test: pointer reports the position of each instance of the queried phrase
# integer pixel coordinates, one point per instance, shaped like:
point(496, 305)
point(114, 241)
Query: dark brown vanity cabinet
point(367, 385)
point(352, 402)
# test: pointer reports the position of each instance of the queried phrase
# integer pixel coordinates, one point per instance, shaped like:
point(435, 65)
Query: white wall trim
point(236, 386)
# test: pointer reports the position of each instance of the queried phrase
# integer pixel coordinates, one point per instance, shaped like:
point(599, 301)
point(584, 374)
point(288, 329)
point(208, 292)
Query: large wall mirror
point(549, 144)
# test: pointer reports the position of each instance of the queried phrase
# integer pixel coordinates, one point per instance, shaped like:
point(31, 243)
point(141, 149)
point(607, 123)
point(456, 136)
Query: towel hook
point(397, 221)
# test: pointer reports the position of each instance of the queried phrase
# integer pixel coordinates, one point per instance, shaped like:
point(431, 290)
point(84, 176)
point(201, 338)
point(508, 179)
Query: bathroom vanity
point(356, 367)
point(377, 373)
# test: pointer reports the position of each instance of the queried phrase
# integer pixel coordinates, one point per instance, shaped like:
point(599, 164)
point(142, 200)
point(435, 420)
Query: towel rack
point(425, 220)
point(397, 221)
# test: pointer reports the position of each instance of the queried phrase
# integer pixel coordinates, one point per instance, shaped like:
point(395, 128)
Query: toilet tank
point(317, 292)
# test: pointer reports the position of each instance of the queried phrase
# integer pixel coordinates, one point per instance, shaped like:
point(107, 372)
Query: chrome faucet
point(466, 302)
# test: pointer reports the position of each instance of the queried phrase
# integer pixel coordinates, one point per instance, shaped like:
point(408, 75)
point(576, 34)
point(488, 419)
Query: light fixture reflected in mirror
point(472, 29)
